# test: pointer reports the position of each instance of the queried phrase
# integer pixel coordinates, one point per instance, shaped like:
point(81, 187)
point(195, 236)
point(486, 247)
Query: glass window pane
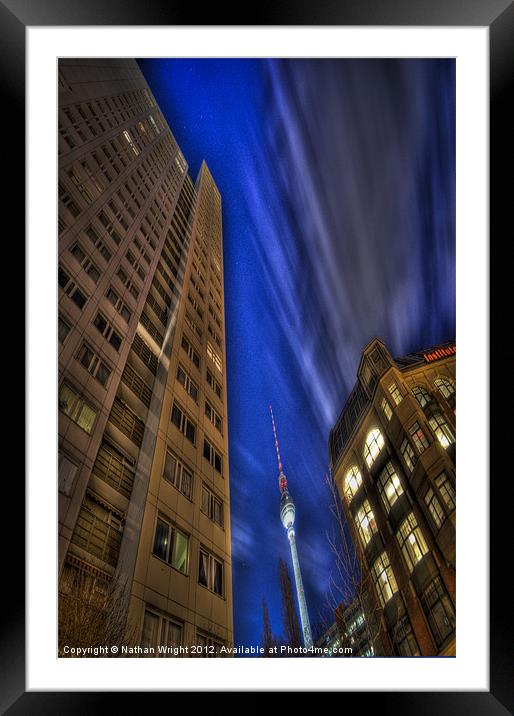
point(160, 547)
point(181, 551)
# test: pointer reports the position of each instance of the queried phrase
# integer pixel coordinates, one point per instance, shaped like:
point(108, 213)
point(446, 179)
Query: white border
point(469, 670)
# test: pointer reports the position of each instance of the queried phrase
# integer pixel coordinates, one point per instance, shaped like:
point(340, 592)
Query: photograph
point(256, 321)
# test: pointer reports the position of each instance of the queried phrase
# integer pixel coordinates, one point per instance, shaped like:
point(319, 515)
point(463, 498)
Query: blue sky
point(338, 186)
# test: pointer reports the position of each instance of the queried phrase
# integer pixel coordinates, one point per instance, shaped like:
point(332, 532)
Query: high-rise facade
point(392, 456)
point(143, 447)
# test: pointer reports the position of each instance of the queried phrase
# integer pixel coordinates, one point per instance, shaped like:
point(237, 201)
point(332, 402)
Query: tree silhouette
point(268, 640)
point(292, 631)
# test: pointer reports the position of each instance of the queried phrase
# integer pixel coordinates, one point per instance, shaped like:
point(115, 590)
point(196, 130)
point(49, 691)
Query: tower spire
point(281, 477)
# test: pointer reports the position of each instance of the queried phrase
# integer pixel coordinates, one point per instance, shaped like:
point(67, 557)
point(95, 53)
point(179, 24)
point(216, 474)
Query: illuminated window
point(374, 444)
point(74, 406)
point(365, 521)
point(419, 437)
point(411, 541)
point(385, 581)
point(215, 357)
point(386, 409)
point(408, 454)
point(395, 393)
point(389, 486)
point(446, 386)
point(421, 395)
point(438, 610)
point(446, 490)
point(130, 142)
point(434, 507)
point(176, 473)
point(98, 529)
point(352, 482)
point(171, 545)
point(210, 572)
point(441, 429)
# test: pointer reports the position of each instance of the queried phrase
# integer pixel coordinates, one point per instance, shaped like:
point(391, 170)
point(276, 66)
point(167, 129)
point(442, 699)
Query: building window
point(94, 365)
point(171, 545)
point(365, 521)
point(446, 386)
point(374, 444)
point(434, 507)
point(115, 468)
point(98, 529)
point(408, 454)
point(385, 581)
point(126, 420)
point(386, 409)
point(71, 289)
point(210, 572)
point(213, 383)
point(146, 354)
point(188, 348)
point(212, 456)
point(446, 490)
point(441, 429)
point(63, 330)
point(213, 416)
point(72, 404)
point(352, 483)
point(419, 437)
point(389, 486)
point(405, 643)
point(212, 506)
point(107, 331)
point(395, 393)
point(421, 395)
point(215, 357)
point(183, 423)
point(411, 541)
point(86, 263)
point(438, 610)
point(160, 631)
point(67, 473)
point(187, 383)
point(208, 646)
point(118, 304)
point(178, 474)
point(130, 142)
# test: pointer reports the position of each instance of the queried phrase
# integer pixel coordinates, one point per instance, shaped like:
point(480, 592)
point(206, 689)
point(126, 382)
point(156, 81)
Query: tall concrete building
point(392, 455)
point(143, 445)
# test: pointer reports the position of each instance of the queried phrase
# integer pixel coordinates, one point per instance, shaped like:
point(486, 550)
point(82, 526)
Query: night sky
point(338, 186)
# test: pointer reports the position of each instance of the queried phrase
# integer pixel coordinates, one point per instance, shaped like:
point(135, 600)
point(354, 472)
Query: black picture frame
point(498, 15)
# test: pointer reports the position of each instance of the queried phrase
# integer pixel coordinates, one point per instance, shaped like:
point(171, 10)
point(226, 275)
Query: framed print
point(269, 242)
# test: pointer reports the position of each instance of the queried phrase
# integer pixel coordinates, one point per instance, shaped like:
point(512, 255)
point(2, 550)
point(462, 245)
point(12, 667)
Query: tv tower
point(287, 515)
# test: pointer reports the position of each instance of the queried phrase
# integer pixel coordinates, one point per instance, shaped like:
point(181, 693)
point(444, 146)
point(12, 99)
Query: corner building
point(392, 455)
point(143, 443)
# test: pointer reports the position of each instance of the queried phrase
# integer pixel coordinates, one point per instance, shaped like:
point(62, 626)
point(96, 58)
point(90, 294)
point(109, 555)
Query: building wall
point(414, 465)
point(141, 267)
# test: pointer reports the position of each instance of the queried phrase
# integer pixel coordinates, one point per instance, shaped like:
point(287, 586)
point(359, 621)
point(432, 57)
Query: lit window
point(421, 395)
point(389, 486)
point(446, 386)
point(352, 482)
point(419, 437)
point(215, 357)
point(74, 406)
point(441, 429)
point(446, 490)
point(365, 521)
point(374, 444)
point(171, 545)
point(395, 393)
point(411, 541)
point(408, 454)
point(385, 581)
point(386, 409)
point(434, 507)
point(130, 141)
